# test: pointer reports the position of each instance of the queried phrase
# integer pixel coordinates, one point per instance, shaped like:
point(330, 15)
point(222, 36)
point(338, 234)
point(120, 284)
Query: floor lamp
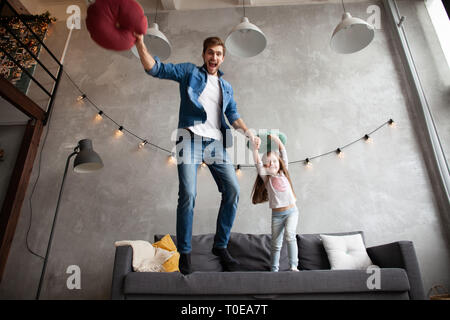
point(86, 160)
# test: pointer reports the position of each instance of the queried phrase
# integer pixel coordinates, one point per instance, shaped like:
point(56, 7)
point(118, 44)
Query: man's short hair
point(212, 42)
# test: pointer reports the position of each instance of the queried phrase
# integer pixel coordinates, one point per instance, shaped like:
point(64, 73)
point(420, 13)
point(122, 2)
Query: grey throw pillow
point(311, 252)
point(253, 251)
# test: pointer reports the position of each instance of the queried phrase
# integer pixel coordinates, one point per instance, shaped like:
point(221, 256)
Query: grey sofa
point(399, 273)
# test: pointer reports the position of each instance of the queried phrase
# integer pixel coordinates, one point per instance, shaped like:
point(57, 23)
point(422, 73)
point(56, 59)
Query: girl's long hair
point(259, 192)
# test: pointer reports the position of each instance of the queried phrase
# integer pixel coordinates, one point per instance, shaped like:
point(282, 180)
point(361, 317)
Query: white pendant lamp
point(351, 34)
point(156, 42)
point(246, 39)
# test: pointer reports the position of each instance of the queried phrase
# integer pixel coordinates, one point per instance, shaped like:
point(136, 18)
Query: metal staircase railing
point(56, 78)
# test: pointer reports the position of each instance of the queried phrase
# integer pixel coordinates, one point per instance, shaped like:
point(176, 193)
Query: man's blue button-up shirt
point(192, 80)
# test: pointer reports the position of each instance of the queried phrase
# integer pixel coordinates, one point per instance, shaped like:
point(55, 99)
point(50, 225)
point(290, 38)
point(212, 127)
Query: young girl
point(273, 184)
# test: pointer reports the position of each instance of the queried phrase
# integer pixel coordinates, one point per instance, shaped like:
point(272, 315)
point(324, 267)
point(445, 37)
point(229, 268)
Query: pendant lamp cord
point(343, 6)
point(156, 14)
point(243, 6)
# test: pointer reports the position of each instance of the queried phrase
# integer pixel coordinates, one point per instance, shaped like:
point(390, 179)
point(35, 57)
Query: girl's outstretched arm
point(258, 162)
point(277, 141)
point(282, 148)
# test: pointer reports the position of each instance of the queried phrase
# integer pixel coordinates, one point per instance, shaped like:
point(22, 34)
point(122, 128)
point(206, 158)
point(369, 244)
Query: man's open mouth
point(212, 64)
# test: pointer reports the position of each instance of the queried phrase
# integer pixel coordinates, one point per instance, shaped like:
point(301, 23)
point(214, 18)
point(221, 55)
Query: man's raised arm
point(146, 58)
point(240, 124)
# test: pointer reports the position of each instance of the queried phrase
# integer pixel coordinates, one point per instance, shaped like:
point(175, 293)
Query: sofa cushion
point(253, 251)
point(346, 252)
point(311, 252)
point(242, 283)
point(202, 258)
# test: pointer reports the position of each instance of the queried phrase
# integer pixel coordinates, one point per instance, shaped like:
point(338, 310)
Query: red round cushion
point(111, 23)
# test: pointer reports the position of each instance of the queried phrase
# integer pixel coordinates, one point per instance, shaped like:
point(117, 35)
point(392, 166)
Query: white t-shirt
point(211, 100)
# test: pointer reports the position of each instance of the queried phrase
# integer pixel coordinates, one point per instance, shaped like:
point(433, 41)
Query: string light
point(119, 132)
point(172, 159)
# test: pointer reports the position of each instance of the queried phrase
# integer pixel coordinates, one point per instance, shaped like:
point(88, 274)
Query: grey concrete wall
point(320, 99)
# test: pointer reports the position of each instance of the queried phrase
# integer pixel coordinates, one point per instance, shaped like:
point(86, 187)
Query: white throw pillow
point(346, 252)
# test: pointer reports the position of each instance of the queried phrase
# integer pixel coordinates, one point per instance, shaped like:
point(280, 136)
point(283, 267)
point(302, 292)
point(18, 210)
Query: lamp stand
point(53, 225)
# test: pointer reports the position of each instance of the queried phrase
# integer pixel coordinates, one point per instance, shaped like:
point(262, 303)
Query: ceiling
point(149, 5)
point(57, 8)
point(209, 4)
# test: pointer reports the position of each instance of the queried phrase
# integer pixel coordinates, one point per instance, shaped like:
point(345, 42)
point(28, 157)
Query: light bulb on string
point(119, 132)
point(171, 159)
point(99, 117)
point(339, 152)
point(142, 144)
point(368, 139)
point(81, 98)
point(238, 170)
point(308, 163)
point(392, 124)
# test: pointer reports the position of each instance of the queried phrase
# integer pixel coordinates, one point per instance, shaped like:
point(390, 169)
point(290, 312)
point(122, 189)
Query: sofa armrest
point(400, 254)
point(122, 266)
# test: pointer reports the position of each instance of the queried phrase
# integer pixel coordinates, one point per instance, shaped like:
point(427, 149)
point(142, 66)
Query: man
point(206, 98)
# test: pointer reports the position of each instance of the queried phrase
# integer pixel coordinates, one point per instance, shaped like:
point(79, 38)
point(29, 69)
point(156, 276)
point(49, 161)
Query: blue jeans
point(284, 222)
point(193, 151)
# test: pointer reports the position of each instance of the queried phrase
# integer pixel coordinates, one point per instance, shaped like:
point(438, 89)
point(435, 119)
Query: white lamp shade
point(156, 42)
point(351, 35)
point(246, 40)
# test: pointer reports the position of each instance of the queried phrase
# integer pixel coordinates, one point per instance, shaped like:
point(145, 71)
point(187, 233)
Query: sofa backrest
point(253, 251)
point(202, 258)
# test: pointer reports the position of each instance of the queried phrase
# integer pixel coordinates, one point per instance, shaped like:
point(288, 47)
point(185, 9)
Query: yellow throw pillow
point(171, 264)
point(166, 243)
